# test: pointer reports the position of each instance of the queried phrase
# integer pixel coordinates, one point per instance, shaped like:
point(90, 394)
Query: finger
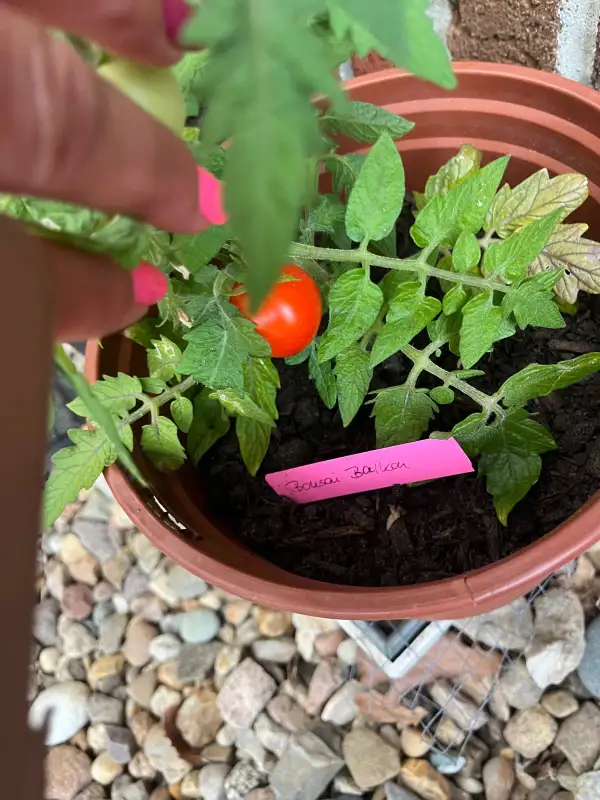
point(143, 30)
point(92, 296)
point(70, 135)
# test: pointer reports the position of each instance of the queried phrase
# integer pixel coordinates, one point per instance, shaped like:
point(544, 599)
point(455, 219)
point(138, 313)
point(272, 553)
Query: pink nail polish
point(149, 284)
point(175, 14)
point(210, 197)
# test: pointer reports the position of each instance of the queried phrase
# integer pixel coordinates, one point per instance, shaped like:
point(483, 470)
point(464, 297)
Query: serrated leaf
point(402, 415)
point(241, 406)
point(322, 375)
point(215, 357)
point(466, 252)
point(195, 252)
point(261, 382)
point(445, 329)
point(353, 375)
point(454, 300)
point(534, 303)
point(212, 157)
point(511, 461)
point(324, 217)
point(344, 169)
point(404, 33)
point(354, 303)
point(209, 424)
point(443, 395)
point(143, 332)
point(536, 197)
point(538, 380)
point(163, 359)
point(188, 72)
point(250, 340)
point(456, 169)
point(256, 100)
point(481, 327)
point(392, 282)
point(299, 358)
point(364, 122)
point(118, 395)
point(378, 194)
point(410, 311)
point(463, 208)
point(579, 259)
point(161, 445)
point(472, 433)
point(153, 385)
point(76, 468)
point(253, 439)
point(182, 411)
point(510, 258)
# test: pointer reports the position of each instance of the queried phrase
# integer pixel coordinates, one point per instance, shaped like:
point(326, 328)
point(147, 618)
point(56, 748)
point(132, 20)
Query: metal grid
point(456, 705)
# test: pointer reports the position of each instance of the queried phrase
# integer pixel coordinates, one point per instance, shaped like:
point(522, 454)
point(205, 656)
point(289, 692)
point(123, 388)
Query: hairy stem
point(421, 361)
point(153, 404)
point(298, 250)
point(421, 357)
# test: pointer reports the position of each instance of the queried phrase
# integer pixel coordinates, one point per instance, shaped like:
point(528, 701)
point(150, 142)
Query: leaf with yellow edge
point(578, 258)
point(537, 197)
point(466, 161)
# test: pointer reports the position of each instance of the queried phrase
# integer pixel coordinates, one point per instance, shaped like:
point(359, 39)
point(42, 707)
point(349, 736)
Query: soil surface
point(405, 535)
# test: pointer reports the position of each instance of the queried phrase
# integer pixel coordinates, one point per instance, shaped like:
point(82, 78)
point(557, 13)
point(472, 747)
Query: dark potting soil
point(404, 535)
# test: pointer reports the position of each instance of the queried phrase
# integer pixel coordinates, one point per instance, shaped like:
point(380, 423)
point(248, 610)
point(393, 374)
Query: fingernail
point(175, 14)
point(210, 195)
point(149, 284)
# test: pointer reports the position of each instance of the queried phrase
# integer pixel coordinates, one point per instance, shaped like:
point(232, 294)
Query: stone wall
point(554, 35)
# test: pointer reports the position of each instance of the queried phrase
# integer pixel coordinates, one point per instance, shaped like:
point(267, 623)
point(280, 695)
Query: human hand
point(69, 135)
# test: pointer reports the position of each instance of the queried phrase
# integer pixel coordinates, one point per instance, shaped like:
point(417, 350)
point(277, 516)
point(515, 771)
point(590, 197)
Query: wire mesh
point(446, 672)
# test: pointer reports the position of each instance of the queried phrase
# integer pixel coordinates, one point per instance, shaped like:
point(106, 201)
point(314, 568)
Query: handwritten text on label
point(375, 469)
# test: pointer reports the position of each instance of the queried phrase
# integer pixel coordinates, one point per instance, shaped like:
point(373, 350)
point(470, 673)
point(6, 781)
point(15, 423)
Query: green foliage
point(210, 422)
point(160, 443)
point(261, 382)
point(364, 122)
point(354, 303)
point(353, 373)
point(402, 415)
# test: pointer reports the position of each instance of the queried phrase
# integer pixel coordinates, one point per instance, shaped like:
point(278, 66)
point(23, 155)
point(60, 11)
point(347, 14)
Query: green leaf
point(322, 375)
point(118, 395)
point(442, 395)
point(402, 415)
point(195, 252)
point(97, 412)
point(254, 439)
point(353, 375)
point(160, 443)
point(209, 424)
point(466, 252)
point(182, 411)
point(364, 122)
point(404, 33)
point(215, 357)
point(463, 208)
point(344, 169)
point(257, 101)
point(143, 332)
point(454, 300)
point(153, 385)
point(188, 72)
point(536, 197)
point(460, 166)
point(164, 359)
point(241, 406)
point(472, 433)
point(579, 259)
point(354, 303)
point(510, 460)
point(250, 340)
point(538, 380)
point(378, 194)
point(299, 358)
point(510, 258)
point(261, 382)
point(534, 303)
point(75, 468)
point(410, 311)
point(481, 327)
point(212, 157)
point(392, 282)
point(324, 217)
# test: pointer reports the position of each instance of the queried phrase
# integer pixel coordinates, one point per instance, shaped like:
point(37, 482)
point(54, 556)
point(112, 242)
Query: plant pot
point(542, 121)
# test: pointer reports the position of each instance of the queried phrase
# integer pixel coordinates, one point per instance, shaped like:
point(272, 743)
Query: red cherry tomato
point(290, 316)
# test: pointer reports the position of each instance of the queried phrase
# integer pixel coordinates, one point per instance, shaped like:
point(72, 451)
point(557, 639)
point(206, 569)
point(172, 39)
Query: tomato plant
point(154, 89)
point(290, 316)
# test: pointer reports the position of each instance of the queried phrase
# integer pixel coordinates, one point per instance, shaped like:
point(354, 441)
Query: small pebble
point(198, 626)
point(77, 601)
point(104, 769)
point(165, 647)
point(137, 641)
point(48, 660)
point(67, 772)
point(63, 709)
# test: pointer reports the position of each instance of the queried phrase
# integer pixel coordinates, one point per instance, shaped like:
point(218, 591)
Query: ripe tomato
point(152, 88)
point(290, 316)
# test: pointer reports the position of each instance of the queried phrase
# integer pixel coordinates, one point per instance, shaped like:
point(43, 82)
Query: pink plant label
point(404, 463)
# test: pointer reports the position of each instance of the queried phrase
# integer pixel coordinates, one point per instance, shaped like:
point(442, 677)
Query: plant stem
point(421, 361)
point(486, 239)
point(421, 358)
point(153, 404)
point(298, 250)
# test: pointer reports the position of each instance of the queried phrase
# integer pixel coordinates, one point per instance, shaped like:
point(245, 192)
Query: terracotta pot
point(542, 121)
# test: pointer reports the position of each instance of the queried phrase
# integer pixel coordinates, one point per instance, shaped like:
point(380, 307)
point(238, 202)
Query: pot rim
point(473, 592)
